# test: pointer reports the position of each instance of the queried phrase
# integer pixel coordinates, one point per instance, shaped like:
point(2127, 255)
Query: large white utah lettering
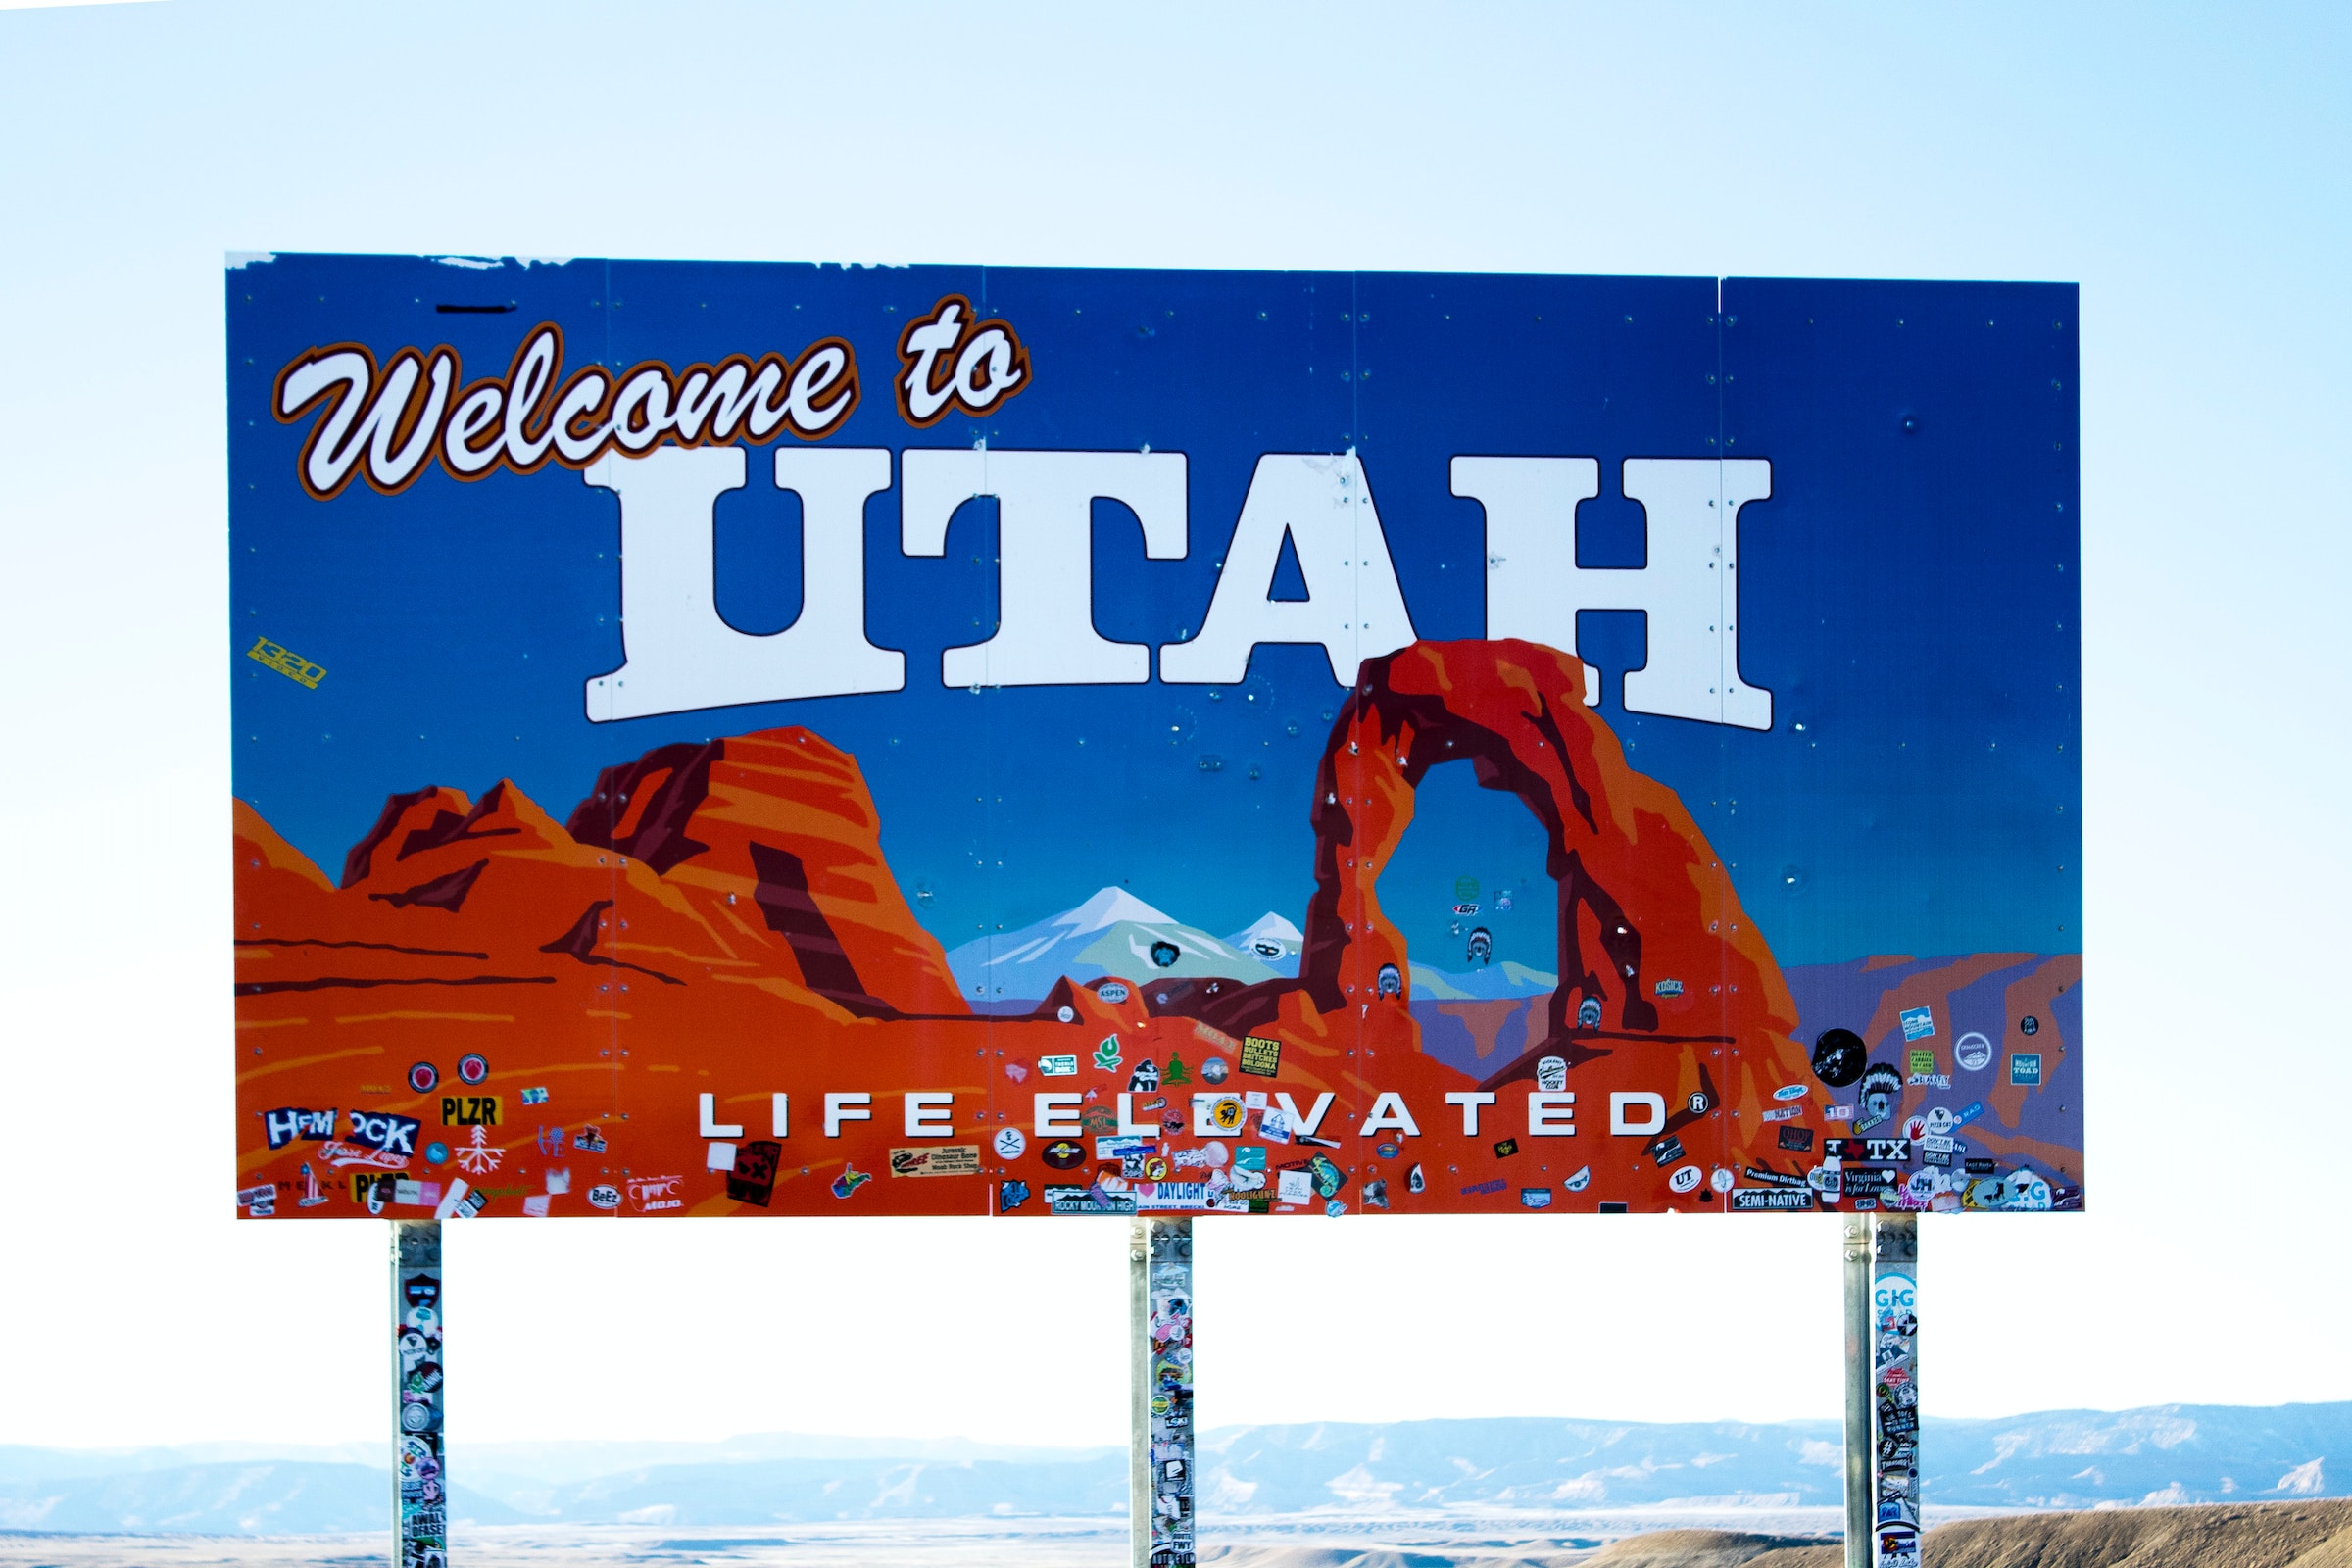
point(1689, 591)
point(678, 654)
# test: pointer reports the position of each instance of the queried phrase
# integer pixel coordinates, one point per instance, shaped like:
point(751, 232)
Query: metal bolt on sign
point(1159, 1309)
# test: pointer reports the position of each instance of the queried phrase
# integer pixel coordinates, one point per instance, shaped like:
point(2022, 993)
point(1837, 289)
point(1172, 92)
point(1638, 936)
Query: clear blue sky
point(2188, 169)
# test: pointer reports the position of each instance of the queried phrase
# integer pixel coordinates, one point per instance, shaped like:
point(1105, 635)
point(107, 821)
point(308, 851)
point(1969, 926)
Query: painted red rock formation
point(1649, 926)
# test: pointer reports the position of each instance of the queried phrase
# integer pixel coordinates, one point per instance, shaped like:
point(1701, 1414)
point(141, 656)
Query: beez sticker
point(1262, 1056)
point(943, 1159)
point(470, 1110)
point(286, 1125)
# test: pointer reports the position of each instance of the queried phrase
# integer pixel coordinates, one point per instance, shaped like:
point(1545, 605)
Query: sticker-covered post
point(1861, 1517)
point(1894, 1359)
point(1159, 1300)
point(419, 1501)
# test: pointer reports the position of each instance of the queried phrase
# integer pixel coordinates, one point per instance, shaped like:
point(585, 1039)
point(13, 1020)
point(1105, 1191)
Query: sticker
point(1250, 1156)
point(1918, 1022)
point(1574, 1184)
point(1686, 1179)
point(1506, 1149)
point(534, 1097)
point(1226, 1113)
point(2029, 1025)
point(1164, 954)
point(1294, 1185)
point(1329, 1178)
point(1388, 1151)
point(850, 1179)
point(936, 1159)
point(1607, 1207)
point(1968, 1114)
point(1551, 1074)
point(282, 1127)
point(1376, 1195)
point(1588, 1013)
point(1748, 1200)
point(654, 1194)
point(1973, 1051)
point(752, 1181)
point(424, 1076)
point(472, 1069)
point(2025, 1067)
point(1175, 1073)
point(1153, 1167)
point(1882, 1088)
point(1056, 1066)
point(1799, 1139)
point(381, 1130)
point(1839, 1057)
point(1699, 1102)
point(1413, 1182)
point(1214, 1070)
point(1113, 991)
point(1066, 1013)
point(1106, 1054)
point(1979, 1165)
point(1781, 1113)
point(1009, 1144)
point(470, 1110)
point(1390, 982)
point(604, 1195)
point(1012, 1196)
point(1918, 1060)
point(1273, 1126)
point(1723, 1180)
point(1792, 1092)
point(1535, 1198)
point(1837, 1113)
point(1061, 1154)
point(1666, 1151)
point(1479, 1188)
point(1938, 1123)
point(1143, 1080)
point(1087, 1201)
point(1668, 988)
point(1261, 1055)
point(287, 662)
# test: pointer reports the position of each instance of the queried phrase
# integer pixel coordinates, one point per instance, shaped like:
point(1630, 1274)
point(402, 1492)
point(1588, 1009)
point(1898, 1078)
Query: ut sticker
point(470, 1110)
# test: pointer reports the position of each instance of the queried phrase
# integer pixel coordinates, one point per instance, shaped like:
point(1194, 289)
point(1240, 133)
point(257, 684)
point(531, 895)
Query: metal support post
point(420, 1504)
point(1159, 1309)
point(1861, 1518)
point(1894, 1326)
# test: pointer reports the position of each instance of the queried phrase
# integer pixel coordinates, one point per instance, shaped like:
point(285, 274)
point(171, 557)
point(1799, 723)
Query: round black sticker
point(2029, 1025)
point(424, 1076)
point(1061, 1154)
point(1839, 1057)
point(474, 1069)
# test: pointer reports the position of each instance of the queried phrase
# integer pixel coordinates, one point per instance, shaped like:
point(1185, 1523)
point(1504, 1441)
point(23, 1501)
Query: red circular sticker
point(474, 1069)
point(424, 1076)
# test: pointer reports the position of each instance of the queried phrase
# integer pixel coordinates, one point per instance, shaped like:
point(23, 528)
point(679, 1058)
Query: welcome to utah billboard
point(757, 739)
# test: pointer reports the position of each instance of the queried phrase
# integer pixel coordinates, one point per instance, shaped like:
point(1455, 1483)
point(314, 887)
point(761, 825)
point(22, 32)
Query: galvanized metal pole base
point(1894, 1366)
point(1159, 1309)
point(419, 1500)
point(1883, 1521)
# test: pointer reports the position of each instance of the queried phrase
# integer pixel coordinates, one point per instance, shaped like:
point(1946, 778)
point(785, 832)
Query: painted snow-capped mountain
point(1273, 942)
point(1115, 932)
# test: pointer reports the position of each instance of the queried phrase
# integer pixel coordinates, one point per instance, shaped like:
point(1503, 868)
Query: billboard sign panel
point(760, 739)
